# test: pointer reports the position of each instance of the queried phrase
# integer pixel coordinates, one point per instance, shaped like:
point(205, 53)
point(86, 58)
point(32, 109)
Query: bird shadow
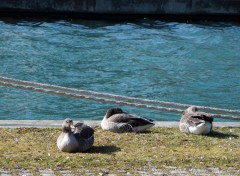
point(104, 149)
point(142, 132)
point(216, 134)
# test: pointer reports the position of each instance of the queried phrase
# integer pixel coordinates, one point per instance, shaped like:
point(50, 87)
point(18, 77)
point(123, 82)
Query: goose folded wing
point(194, 121)
point(204, 116)
point(83, 131)
point(124, 127)
point(130, 119)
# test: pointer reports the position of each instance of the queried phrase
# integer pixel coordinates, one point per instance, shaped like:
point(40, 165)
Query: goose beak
point(72, 126)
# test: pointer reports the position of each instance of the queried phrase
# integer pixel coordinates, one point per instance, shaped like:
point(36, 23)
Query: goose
point(195, 122)
point(115, 120)
point(75, 138)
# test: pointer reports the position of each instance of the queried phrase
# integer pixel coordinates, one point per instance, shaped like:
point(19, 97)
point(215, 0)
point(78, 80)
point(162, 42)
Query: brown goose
point(195, 122)
point(115, 120)
point(75, 138)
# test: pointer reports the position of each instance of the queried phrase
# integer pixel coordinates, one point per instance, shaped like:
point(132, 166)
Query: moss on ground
point(35, 148)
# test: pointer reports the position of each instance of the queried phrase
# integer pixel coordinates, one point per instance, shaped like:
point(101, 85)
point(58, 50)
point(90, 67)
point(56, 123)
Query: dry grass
point(35, 148)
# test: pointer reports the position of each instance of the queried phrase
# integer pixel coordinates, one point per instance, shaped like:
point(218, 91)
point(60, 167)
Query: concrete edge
point(57, 123)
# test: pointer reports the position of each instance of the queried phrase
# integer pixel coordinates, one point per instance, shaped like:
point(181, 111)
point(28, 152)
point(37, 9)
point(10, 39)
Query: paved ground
point(57, 123)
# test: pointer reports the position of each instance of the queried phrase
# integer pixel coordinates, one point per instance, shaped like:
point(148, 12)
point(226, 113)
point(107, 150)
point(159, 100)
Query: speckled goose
point(75, 138)
point(195, 122)
point(115, 120)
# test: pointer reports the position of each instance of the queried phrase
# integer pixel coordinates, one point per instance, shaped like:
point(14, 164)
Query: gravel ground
point(167, 171)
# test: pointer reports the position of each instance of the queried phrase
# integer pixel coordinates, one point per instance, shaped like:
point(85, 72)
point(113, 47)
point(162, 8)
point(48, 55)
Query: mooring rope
point(162, 103)
point(75, 93)
point(102, 100)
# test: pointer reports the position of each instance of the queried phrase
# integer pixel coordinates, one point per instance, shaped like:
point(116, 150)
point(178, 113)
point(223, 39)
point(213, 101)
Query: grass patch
point(35, 148)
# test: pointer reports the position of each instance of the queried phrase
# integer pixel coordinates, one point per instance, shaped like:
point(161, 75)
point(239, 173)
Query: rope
point(72, 95)
point(75, 93)
point(162, 103)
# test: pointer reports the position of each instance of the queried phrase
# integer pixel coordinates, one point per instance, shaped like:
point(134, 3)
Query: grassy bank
point(35, 148)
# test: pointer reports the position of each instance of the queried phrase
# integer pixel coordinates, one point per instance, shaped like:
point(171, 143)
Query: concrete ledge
point(57, 123)
point(108, 8)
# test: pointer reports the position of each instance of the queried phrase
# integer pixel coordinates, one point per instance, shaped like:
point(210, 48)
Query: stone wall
point(130, 7)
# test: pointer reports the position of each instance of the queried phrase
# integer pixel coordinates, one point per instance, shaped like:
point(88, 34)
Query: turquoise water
point(168, 61)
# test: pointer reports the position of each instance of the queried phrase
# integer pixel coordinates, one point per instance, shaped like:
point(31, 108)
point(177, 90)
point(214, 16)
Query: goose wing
point(123, 127)
point(132, 120)
point(83, 131)
point(196, 119)
point(203, 116)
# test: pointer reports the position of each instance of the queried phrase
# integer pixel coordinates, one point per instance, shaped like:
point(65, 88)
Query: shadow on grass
point(220, 135)
point(143, 132)
point(104, 149)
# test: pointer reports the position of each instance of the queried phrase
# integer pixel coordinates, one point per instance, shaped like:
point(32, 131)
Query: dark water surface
point(169, 61)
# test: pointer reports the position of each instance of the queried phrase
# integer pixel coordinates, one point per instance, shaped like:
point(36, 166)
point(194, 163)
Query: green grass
point(35, 148)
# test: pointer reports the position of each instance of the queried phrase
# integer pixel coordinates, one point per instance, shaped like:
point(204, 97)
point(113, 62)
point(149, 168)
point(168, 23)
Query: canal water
point(151, 59)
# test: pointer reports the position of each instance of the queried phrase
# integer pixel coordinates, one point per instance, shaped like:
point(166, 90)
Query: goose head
point(79, 124)
point(113, 111)
point(67, 125)
point(191, 109)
